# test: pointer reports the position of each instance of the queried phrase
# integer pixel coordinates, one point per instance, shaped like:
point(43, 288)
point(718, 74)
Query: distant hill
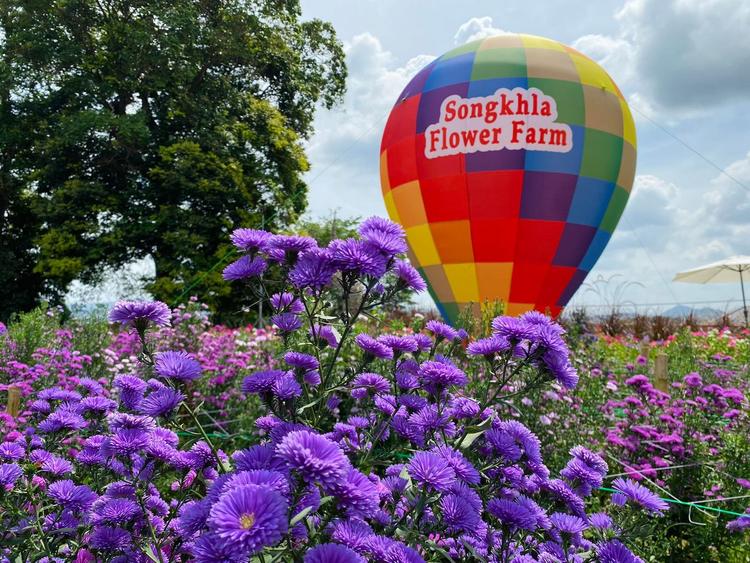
point(682, 311)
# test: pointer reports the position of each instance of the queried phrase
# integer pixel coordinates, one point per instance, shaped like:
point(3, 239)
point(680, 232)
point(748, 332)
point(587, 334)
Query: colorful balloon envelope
point(508, 161)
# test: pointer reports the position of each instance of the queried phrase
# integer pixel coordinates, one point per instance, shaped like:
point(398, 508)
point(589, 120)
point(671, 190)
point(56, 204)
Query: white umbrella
point(723, 271)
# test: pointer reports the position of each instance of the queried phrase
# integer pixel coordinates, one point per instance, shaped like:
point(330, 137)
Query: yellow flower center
point(247, 521)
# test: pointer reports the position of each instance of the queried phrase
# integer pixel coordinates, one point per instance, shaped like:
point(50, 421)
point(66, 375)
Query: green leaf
point(474, 432)
point(436, 548)
point(300, 515)
point(151, 555)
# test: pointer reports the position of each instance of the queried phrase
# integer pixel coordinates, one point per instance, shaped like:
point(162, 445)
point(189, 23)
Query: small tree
point(154, 128)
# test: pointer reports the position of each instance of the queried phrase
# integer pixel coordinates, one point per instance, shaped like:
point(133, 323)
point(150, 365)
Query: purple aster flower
point(244, 267)
point(127, 441)
point(568, 523)
point(693, 380)
point(210, 548)
point(630, 491)
point(291, 245)
point(332, 553)
point(58, 394)
point(560, 367)
point(61, 420)
point(317, 458)
point(109, 538)
point(380, 224)
point(436, 376)
point(513, 514)
point(370, 383)
point(192, 517)
point(250, 240)
point(56, 465)
point(11, 451)
point(161, 402)
point(385, 243)
point(324, 335)
point(177, 365)
point(286, 387)
point(131, 390)
point(488, 347)
point(357, 494)
point(98, 405)
point(249, 518)
point(459, 514)
point(201, 456)
point(739, 524)
point(463, 407)
point(512, 328)
point(600, 520)
point(300, 361)
point(586, 471)
point(140, 313)
point(261, 381)
point(314, 269)
point(9, 474)
point(286, 302)
point(613, 551)
point(264, 477)
point(121, 420)
point(40, 406)
point(286, 322)
point(432, 471)
point(311, 378)
point(424, 342)
point(409, 276)
point(513, 440)
point(442, 330)
point(372, 348)
point(462, 466)
point(71, 496)
point(566, 496)
point(352, 533)
point(399, 344)
point(352, 255)
point(114, 511)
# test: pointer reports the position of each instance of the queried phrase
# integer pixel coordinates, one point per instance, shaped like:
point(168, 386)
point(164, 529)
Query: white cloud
point(345, 148)
point(678, 56)
point(727, 203)
point(476, 28)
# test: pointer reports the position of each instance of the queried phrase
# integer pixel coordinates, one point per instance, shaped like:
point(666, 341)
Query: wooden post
point(13, 407)
point(661, 380)
point(644, 349)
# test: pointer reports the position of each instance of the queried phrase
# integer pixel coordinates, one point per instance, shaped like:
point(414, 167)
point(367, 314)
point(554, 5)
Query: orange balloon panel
point(508, 161)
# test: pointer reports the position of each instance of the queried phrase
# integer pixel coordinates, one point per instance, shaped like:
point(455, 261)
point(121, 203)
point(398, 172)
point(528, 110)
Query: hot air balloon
point(508, 161)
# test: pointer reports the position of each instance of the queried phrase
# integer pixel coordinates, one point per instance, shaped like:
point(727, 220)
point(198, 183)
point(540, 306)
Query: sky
point(682, 65)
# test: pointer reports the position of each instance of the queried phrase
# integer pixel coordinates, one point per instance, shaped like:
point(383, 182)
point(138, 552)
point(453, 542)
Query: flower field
point(341, 433)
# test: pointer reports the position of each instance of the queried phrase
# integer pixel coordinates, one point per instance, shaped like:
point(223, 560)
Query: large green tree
point(152, 128)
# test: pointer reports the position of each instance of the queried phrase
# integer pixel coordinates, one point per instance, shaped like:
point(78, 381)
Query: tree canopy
point(133, 128)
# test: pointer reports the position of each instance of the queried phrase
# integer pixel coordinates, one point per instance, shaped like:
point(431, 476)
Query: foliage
point(327, 229)
point(152, 129)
